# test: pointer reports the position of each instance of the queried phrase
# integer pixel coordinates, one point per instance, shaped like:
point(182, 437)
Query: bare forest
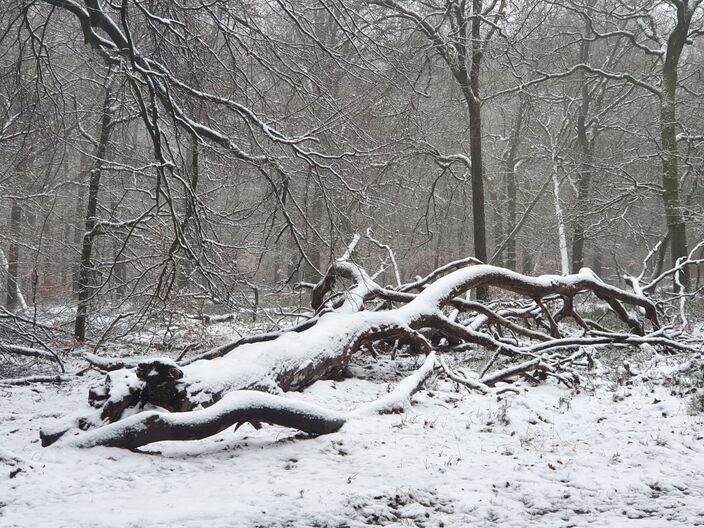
point(347, 263)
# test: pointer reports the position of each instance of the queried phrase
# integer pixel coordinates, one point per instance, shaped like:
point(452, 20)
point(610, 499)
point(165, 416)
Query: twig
point(389, 251)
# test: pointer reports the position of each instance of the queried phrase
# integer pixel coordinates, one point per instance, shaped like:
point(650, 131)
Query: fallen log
point(243, 406)
point(293, 360)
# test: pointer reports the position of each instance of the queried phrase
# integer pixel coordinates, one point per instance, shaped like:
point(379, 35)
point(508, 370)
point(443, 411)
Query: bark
point(496, 198)
point(79, 224)
point(510, 160)
point(19, 350)
point(240, 406)
point(4, 267)
point(668, 135)
point(14, 295)
point(294, 360)
point(561, 227)
point(31, 380)
point(470, 88)
point(471, 91)
point(315, 217)
point(119, 268)
point(193, 170)
point(660, 263)
point(586, 147)
point(245, 406)
point(86, 270)
point(438, 247)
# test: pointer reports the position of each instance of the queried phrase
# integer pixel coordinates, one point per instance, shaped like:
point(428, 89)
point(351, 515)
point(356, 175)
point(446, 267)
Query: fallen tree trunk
point(236, 407)
point(243, 406)
point(293, 360)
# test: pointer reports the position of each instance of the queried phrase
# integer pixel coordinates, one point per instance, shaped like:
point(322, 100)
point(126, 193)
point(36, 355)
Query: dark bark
point(86, 270)
point(237, 408)
point(469, 80)
point(475, 149)
point(496, 199)
point(313, 225)
point(255, 407)
point(586, 151)
point(79, 223)
point(119, 268)
point(668, 135)
point(13, 256)
point(325, 349)
point(510, 183)
point(193, 170)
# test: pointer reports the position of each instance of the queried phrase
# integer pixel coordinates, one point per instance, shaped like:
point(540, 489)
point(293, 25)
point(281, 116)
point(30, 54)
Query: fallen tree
point(245, 381)
point(244, 406)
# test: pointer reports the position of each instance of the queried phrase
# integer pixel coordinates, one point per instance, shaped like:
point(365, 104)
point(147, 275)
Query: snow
point(608, 454)
point(447, 287)
point(249, 364)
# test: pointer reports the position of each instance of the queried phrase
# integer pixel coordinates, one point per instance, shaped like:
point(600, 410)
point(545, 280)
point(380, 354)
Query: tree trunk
point(187, 267)
point(119, 269)
point(469, 82)
point(86, 270)
point(314, 222)
point(561, 228)
point(670, 172)
point(586, 147)
point(496, 199)
point(438, 246)
point(511, 186)
point(290, 361)
point(477, 172)
point(668, 135)
point(14, 296)
point(77, 227)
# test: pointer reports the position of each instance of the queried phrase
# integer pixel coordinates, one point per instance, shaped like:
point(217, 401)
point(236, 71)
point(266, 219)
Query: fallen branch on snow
point(18, 350)
point(243, 406)
point(323, 346)
point(28, 380)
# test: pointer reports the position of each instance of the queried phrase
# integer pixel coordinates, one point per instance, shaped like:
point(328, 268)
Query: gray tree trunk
point(668, 135)
point(85, 273)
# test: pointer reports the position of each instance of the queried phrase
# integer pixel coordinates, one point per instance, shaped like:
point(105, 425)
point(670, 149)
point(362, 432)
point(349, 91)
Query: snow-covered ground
point(604, 455)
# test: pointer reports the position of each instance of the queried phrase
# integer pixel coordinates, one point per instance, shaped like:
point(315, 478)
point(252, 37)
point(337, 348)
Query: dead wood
point(323, 346)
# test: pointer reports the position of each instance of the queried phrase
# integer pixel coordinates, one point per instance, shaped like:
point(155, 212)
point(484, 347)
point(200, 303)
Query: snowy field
point(607, 454)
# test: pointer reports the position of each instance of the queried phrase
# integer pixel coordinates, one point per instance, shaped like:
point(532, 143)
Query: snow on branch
point(18, 350)
point(219, 388)
point(239, 407)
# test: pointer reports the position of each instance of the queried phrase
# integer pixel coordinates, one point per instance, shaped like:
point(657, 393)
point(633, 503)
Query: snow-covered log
point(236, 407)
point(243, 406)
point(293, 360)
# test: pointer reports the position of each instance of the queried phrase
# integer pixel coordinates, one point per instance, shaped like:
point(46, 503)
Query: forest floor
point(621, 450)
